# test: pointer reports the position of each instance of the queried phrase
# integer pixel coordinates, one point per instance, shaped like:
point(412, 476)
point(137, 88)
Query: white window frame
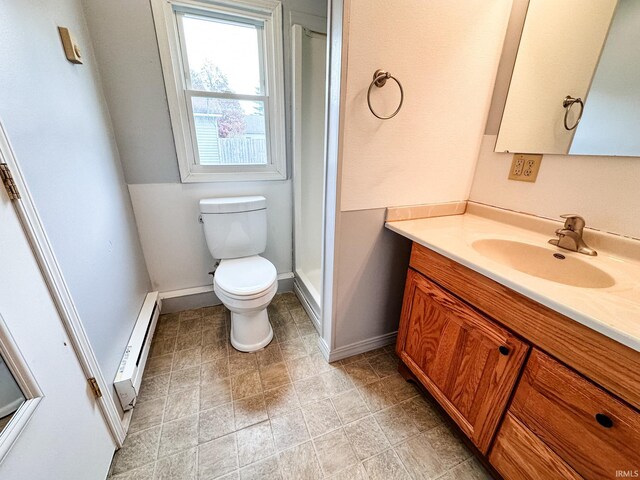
point(19, 369)
point(268, 12)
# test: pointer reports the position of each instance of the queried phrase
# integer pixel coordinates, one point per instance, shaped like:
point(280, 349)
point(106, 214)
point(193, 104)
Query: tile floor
point(206, 411)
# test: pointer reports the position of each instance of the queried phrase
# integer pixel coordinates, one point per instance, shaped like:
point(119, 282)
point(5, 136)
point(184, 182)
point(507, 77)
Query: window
point(223, 72)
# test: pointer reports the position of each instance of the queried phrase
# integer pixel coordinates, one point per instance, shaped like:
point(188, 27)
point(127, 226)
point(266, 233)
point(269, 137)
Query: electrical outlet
point(524, 168)
point(518, 166)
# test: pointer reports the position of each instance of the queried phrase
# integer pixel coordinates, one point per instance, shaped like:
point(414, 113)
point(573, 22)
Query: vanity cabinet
point(466, 361)
point(538, 394)
point(591, 431)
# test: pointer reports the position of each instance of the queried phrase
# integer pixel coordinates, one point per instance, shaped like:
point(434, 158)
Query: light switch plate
point(71, 48)
point(525, 167)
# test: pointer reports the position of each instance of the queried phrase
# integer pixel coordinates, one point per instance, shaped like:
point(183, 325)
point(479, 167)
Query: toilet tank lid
point(232, 204)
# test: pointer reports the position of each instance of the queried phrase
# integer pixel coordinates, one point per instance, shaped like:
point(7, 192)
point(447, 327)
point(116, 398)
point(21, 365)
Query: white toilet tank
point(235, 226)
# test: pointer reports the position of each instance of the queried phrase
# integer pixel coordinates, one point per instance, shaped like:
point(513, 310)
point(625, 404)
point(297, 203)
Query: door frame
point(43, 252)
point(338, 34)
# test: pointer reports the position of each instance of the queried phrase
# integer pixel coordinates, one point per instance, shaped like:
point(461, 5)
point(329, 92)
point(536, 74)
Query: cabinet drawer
point(518, 454)
point(467, 362)
point(593, 432)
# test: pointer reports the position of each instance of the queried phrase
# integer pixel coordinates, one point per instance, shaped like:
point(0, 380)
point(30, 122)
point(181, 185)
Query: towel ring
point(380, 78)
point(568, 102)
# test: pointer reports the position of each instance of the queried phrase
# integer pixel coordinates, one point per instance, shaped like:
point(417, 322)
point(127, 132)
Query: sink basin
point(544, 263)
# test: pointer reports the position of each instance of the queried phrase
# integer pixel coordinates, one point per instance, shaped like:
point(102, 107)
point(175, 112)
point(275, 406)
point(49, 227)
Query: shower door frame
point(316, 24)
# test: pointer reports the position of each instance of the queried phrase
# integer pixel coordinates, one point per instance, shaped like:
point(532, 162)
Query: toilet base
point(250, 331)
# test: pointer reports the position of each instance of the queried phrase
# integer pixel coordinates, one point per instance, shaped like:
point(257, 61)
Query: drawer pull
point(503, 350)
point(603, 420)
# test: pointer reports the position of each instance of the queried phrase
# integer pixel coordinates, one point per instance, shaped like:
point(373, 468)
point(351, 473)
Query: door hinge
point(9, 182)
point(93, 383)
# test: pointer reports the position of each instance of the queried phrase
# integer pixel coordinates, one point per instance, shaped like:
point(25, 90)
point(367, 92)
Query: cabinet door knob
point(503, 350)
point(604, 420)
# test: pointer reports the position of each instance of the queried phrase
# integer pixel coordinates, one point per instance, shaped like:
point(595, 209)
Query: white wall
point(127, 52)
point(173, 240)
point(446, 54)
point(602, 189)
point(57, 120)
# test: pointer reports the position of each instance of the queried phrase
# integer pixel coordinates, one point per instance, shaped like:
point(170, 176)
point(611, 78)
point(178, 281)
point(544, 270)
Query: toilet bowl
point(236, 233)
point(246, 287)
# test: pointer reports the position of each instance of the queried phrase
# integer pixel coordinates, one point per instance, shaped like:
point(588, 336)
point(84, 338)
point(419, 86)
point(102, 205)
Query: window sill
point(236, 176)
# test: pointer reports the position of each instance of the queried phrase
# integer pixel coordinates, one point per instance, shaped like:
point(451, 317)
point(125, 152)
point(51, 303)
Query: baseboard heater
point(129, 376)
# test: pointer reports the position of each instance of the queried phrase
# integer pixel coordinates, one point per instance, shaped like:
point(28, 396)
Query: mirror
point(575, 87)
point(11, 397)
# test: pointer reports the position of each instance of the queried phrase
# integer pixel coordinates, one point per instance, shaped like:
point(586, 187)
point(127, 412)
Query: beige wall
point(604, 190)
point(445, 53)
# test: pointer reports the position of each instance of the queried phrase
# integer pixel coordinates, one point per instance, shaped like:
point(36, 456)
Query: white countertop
point(612, 311)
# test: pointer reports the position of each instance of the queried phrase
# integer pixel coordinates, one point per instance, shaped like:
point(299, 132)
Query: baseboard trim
point(358, 347)
point(185, 292)
point(307, 307)
point(285, 282)
point(203, 296)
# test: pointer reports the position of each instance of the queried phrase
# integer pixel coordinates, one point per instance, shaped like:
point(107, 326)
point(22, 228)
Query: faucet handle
point(573, 222)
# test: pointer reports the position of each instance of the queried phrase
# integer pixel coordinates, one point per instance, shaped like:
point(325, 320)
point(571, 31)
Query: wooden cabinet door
point(467, 362)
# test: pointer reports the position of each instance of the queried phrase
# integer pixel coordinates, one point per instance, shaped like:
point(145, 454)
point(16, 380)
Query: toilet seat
point(245, 278)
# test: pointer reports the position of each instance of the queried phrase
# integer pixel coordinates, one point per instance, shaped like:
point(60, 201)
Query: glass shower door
point(309, 164)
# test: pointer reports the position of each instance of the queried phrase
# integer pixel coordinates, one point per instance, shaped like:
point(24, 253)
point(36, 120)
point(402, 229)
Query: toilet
point(236, 232)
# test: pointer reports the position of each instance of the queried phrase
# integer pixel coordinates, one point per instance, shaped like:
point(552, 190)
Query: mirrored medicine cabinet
point(575, 87)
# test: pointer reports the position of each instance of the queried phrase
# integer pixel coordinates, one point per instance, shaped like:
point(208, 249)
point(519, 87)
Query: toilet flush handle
point(200, 219)
point(215, 267)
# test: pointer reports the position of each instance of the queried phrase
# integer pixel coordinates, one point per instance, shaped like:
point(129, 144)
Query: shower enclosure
point(309, 94)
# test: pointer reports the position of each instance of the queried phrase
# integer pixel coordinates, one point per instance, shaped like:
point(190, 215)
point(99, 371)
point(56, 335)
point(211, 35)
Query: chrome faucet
point(570, 237)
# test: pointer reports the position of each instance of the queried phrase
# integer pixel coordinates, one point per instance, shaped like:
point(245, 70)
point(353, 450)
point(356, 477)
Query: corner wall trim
point(324, 348)
point(357, 347)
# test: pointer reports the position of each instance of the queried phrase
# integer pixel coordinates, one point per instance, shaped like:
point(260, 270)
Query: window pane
point(11, 397)
point(223, 57)
point(230, 132)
